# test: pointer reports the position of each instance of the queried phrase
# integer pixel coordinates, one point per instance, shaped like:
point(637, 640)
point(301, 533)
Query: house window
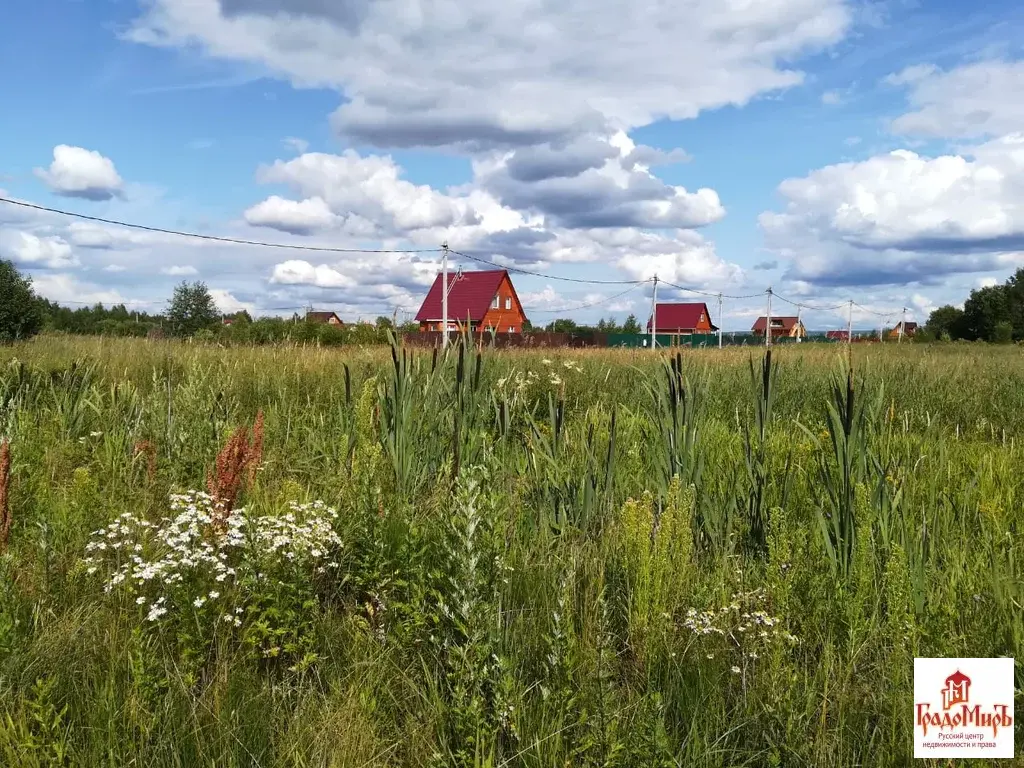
point(511, 329)
point(494, 304)
point(702, 317)
point(508, 302)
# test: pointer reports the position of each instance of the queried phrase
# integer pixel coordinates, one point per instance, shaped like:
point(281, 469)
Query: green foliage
point(20, 315)
point(609, 558)
point(192, 309)
point(946, 322)
point(986, 314)
point(1002, 332)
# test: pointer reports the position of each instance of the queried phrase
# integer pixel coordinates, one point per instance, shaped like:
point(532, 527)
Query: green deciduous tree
point(21, 316)
point(563, 325)
point(1002, 333)
point(632, 325)
point(947, 321)
point(192, 309)
point(984, 310)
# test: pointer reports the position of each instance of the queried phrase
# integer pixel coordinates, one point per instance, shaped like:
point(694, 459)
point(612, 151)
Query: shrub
point(1002, 333)
point(20, 315)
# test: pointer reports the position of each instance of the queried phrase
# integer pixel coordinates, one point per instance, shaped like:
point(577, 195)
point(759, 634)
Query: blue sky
point(832, 150)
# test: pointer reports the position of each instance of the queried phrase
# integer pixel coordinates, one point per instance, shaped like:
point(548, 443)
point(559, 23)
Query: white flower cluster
point(184, 561)
point(519, 381)
point(523, 380)
point(743, 623)
point(306, 533)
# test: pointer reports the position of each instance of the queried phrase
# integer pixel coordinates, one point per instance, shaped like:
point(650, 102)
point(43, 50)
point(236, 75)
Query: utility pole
point(444, 293)
point(849, 324)
point(719, 321)
point(654, 313)
point(768, 319)
point(903, 326)
point(881, 327)
point(799, 326)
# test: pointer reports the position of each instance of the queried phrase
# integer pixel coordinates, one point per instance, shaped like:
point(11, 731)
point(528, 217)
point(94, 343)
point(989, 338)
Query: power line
point(712, 295)
point(810, 306)
point(585, 306)
point(874, 312)
point(215, 238)
point(522, 271)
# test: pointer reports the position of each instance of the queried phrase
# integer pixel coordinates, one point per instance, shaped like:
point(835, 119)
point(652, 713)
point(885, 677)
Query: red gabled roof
point(680, 316)
point(469, 295)
point(778, 323)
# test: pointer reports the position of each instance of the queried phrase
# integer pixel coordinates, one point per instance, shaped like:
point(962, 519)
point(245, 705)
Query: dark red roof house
point(485, 299)
point(682, 319)
point(330, 318)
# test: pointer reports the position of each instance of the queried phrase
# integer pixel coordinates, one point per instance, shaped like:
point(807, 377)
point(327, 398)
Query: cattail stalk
point(5, 501)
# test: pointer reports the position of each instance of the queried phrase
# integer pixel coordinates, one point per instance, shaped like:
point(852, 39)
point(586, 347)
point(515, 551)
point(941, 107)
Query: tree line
point(994, 313)
point(191, 313)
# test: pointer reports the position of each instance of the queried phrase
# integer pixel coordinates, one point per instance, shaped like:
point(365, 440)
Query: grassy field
point(311, 557)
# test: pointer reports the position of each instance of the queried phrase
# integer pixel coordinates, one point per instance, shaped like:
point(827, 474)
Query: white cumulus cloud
point(78, 172)
point(28, 250)
point(493, 73)
point(982, 99)
point(904, 217)
point(228, 304)
point(299, 217)
point(185, 270)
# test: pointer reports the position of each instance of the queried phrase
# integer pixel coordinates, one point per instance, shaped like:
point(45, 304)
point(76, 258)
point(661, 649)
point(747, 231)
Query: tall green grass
point(550, 558)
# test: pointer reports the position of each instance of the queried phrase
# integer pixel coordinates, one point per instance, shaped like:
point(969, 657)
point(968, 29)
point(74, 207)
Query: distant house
point(909, 329)
point(330, 318)
point(486, 300)
point(790, 327)
point(683, 319)
point(837, 335)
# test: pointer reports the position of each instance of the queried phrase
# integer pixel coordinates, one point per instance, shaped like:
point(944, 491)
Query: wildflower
point(140, 600)
point(156, 612)
point(95, 434)
point(199, 602)
point(735, 670)
point(214, 595)
point(711, 656)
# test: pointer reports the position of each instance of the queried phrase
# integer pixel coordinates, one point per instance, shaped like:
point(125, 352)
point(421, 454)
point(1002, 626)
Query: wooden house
point(682, 319)
point(909, 329)
point(485, 301)
point(330, 318)
point(789, 327)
